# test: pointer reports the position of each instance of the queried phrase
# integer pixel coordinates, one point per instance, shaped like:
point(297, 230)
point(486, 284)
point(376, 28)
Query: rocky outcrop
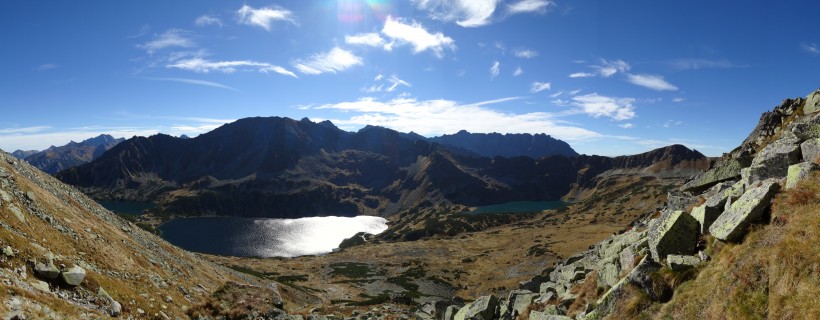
point(733, 224)
point(484, 308)
point(799, 172)
point(812, 102)
point(56, 159)
point(675, 232)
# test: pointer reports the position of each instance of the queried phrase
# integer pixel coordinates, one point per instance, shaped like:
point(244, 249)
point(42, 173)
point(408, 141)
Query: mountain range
point(55, 159)
point(284, 168)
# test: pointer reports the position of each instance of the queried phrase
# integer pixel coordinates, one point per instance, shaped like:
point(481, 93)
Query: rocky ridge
point(722, 202)
point(56, 159)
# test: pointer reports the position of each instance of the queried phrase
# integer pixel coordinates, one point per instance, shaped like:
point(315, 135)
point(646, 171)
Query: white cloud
point(47, 67)
point(414, 34)
point(206, 20)
point(204, 66)
point(495, 69)
point(581, 75)
point(609, 68)
point(811, 48)
point(388, 85)
point(539, 86)
point(518, 71)
point(574, 92)
point(627, 125)
point(678, 100)
point(654, 82)
point(368, 39)
point(466, 13)
point(169, 39)
point(596, 106)
point(333, 61)
point(557, 94)
point(672, 123)
point(526, 53)
point(696, 64)
point(378, 77)
point(524, 6)
point(263, 17)
point(436, 117)
point(196, 82)
point(24, 130)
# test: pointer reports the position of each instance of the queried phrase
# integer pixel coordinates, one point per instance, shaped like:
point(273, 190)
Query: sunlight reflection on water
point(267, 237)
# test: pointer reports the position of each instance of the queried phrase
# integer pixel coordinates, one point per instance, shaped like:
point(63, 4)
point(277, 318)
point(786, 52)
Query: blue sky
point(609, 77)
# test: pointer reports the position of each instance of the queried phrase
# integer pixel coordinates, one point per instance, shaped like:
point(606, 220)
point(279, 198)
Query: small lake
point(520, 207)
point(259, 237)
point(129, 208)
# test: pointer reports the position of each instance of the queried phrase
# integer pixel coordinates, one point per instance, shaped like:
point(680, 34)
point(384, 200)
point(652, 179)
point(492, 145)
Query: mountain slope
point(278, 167)
point(507, 145)
point(45, 220)
point(56, 159)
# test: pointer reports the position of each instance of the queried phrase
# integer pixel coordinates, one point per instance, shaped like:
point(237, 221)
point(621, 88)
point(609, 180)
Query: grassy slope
point(774, 273)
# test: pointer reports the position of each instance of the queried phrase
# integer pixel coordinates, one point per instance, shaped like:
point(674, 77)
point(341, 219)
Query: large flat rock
point(733, 224)
point(675, 232)
point(726, 169)
point(774, 160)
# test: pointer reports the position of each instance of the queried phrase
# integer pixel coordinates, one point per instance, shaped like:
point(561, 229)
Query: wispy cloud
point(416, 35)
point(697, 64)
point(529, 6)
point(169, 39)
point(678, 100)
point(672, 123)
point(596, 106)
point(581, 75)
point(24, 130)
point(263, 17)
point(205, 66)
point(466, 13)
point(495, 69)
point(335, 60)
point(518, 71)
point(654, 82)
point(196, 82)
point(386, 84)
point(206, 20)
point(436, 117)
point(627, 125)
point(368, 39)
point(811, 48)
point(47, 67)
point(609, 68)
point(539, 86)
point(526, 53)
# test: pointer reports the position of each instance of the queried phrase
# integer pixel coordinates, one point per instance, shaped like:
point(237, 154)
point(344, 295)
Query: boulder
point(799, 172)
point(806, 129)
point(450, 313)
point(733, 223)
point(812, 102)
point(8, 251)
point(539, 315)
point(40, 285)
point(726, 169)
point(679, 262)
point(520, 301)
point(46, 270)
point(73, 276)
point(673, 233)
point(641, 276)
point(482, 309)
point(774, 160)
point(810, 149)
point(114, 307)
point(706, 213)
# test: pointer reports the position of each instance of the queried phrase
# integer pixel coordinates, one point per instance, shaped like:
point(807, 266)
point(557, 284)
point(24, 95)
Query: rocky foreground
point(720, 206)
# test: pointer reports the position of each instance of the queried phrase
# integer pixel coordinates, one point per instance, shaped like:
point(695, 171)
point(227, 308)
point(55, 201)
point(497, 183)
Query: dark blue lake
point(520, 207)
point(258, 237)
point(131, 208)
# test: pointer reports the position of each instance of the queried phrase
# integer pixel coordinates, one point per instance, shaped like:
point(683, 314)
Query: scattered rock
point(47, 270)
point(17, 213)
point(812, 102)
point(799, 172)
point(40, 285)
point(520, 301)
point(679, 262)
point(673, 233)
point(733, 223)
point(810, 149)
point(774, 160)
point(482, 309)
point(114, 307)
point(8, 251)
point(73, 276)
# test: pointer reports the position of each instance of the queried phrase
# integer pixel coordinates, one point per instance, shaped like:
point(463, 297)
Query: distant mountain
point(55, 159)
point(279, 167)
point(507, 145)
point(22, 154)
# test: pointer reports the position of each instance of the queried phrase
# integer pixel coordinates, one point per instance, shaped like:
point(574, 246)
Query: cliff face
point(278, 167)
